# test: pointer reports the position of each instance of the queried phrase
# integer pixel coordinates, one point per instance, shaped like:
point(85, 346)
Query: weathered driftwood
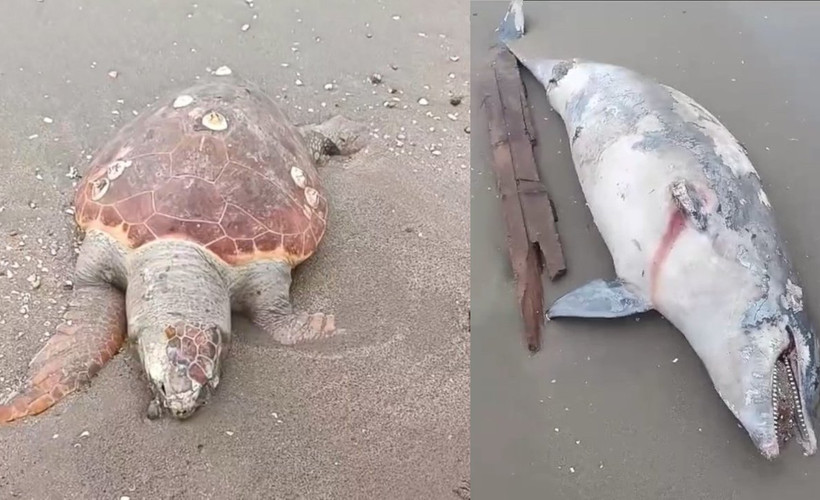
point(532, 238)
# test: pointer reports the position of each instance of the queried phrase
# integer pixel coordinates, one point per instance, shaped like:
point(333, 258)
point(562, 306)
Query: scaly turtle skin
point(198, 208)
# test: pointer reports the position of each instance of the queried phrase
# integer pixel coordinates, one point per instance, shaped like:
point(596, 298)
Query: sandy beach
point(624, 409)
point(382, 413)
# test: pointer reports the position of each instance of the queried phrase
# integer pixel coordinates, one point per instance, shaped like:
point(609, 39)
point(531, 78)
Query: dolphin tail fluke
point(511, 33)
point(599, 299)
point(512, 25)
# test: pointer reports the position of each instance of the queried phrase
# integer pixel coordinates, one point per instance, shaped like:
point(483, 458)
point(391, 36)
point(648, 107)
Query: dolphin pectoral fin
point(599, 299)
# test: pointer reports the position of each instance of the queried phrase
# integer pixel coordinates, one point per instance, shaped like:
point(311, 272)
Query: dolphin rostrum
point(691, 233)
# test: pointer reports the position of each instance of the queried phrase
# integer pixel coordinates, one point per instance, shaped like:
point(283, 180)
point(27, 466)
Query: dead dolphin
point(692, 236)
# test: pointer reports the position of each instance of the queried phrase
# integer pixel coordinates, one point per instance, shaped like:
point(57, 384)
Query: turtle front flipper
point(297, 327)
point(262, 292)
point(272, 312)
point(93, 331)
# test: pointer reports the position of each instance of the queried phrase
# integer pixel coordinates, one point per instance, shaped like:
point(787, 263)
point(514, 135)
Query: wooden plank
point(534, 197)
point(532, 239)
point(527, 114)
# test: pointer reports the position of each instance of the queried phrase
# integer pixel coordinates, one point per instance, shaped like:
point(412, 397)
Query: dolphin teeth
point(798, 415)
point(787, 407)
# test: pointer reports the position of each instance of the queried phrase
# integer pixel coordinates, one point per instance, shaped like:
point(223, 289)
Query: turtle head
point(183, 368)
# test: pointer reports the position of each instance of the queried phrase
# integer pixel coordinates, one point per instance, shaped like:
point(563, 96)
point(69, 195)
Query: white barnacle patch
point(794, 297)
point(99, 188)
point(214, 121)
point(182, 101)
point(312, 196)
point(116, 169)
point(678, 190)
point(763, 198)
point(298, 176)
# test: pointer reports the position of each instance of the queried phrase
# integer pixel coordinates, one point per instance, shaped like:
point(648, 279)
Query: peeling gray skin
point(620, 123)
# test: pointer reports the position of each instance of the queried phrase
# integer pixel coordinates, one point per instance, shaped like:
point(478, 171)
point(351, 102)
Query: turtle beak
point(181, 404)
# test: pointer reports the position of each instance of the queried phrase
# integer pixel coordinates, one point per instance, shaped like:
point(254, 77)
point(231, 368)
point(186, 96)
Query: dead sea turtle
point(198, 208)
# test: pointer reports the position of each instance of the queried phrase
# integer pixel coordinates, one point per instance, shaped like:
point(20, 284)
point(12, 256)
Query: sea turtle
point(197, 208)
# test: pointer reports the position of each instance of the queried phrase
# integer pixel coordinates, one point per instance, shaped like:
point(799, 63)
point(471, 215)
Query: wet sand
point(624, 409)
point(383, 413)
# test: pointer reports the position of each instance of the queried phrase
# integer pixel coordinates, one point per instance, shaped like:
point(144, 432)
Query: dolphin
point(692, 236)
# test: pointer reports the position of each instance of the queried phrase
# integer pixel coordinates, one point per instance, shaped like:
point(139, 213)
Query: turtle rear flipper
point(337, 136)
point(93, 332)
point(319, 145)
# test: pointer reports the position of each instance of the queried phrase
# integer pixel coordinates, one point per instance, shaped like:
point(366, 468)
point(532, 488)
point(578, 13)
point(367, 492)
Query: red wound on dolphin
point(677, 222)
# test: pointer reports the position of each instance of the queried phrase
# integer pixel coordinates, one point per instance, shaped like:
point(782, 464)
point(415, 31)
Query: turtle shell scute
point(238, 192)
